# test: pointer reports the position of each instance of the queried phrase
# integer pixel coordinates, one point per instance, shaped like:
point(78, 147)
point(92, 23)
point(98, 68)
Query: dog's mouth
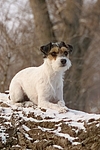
point(63, 65)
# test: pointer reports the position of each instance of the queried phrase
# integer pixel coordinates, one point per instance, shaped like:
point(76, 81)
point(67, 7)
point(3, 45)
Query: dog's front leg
point(59, 96)
point(45, 104)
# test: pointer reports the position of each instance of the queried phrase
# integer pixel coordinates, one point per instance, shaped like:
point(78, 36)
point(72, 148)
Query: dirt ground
point(26, 130)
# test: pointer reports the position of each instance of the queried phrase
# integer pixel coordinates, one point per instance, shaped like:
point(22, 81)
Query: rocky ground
point(23, 128)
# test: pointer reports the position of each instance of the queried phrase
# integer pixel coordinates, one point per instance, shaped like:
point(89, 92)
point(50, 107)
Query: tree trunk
point(71, 17)
point(43, 26)
point(91, 72)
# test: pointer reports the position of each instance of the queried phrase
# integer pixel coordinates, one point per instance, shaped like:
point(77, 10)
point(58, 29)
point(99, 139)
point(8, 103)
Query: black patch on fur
point(68, 46)
point(62, 44)
point(46, 49)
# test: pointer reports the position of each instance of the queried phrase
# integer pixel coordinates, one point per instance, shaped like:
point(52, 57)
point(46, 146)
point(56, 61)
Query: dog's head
point(57, 54)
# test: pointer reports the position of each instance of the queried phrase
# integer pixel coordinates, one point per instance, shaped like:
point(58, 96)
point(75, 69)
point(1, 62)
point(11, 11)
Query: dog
point(43, 85)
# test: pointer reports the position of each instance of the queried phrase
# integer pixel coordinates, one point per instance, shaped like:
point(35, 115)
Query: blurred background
point(26, 25)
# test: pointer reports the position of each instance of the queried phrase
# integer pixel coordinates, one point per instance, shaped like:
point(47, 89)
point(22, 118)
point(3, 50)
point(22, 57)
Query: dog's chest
point(55, 81)
point(54, 85)
point(54, 89)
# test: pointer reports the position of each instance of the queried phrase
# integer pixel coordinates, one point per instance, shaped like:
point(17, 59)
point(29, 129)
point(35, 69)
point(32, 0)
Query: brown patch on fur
point(53, 50)
point(56, 51)
point(63, 49)
point(51, 57)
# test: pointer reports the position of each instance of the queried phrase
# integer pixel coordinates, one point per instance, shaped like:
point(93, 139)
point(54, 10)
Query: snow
point(16, 146)
point(71, 118)
point(66, 136)
point(44, 129)
point(98, 125)
point(27, 136)
point(77, 124)
point(57, 146)
point(25, 128)
point(3, 135)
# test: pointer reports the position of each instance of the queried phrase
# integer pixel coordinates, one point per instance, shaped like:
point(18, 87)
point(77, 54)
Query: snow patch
point(57, 146)
point(73, 119)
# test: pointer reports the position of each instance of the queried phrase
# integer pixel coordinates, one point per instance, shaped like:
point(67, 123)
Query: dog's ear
point(45, 49)
point(70, 48)
point(62, 44)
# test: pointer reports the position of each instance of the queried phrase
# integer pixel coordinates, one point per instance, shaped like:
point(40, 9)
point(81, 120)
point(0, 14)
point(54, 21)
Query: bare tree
point(70, 17)
point(17, 41)
point(43, 25)
point(78, 23)
point(90, 81)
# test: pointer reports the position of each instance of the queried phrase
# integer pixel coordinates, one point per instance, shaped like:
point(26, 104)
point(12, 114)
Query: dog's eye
point(53, 53)
point(66, 53)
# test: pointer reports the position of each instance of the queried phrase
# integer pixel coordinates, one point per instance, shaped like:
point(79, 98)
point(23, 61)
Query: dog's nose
point(63, 61)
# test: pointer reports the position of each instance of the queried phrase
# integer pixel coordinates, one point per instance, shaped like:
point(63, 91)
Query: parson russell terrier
point(43, 85)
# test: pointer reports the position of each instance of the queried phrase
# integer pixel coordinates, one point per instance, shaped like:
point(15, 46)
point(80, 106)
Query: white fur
point(43, 85)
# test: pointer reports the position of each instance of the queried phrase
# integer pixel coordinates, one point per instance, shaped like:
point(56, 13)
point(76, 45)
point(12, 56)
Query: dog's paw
point(28, 104)
point(63, 109)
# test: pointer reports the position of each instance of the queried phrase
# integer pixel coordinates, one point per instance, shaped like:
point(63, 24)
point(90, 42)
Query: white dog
point(43, 85)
